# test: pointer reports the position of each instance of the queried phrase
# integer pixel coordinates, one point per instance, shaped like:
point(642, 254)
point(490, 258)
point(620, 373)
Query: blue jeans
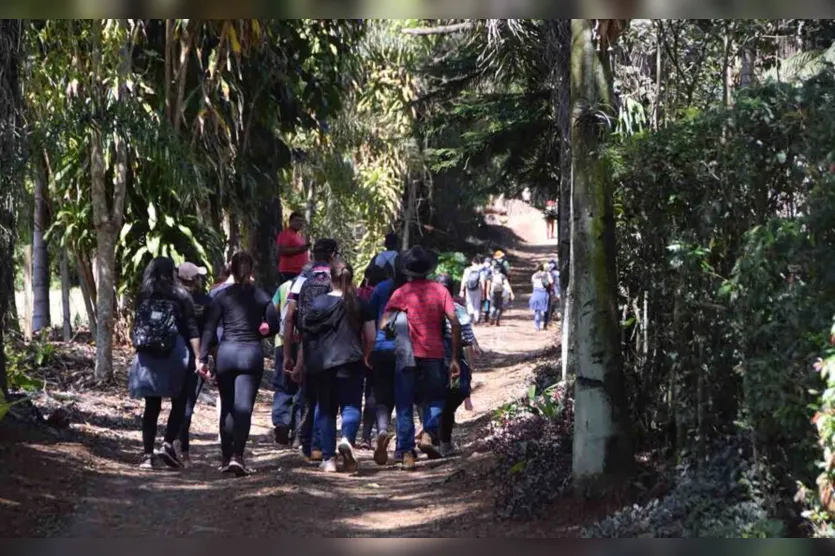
point(426, 384)
point(308, 430)
point(339, 388)
point(287, 402)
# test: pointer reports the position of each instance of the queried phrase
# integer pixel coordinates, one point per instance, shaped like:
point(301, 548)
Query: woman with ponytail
point(247, 315)
point(338, 334)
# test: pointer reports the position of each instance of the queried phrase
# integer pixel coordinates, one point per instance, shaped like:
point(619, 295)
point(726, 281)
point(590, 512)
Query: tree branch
point(440, 30)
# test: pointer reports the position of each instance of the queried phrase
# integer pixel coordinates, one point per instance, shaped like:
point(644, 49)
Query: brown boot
point(427, 446)
point(409, 461)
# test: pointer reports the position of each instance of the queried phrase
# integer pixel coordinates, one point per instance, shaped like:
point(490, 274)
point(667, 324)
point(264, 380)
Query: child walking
point(499, 289)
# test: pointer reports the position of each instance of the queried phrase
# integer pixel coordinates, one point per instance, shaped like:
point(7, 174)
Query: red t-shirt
point(426, 304)
point(288, 237)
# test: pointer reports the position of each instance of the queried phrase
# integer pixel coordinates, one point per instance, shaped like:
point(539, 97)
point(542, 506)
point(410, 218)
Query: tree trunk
point(601, 441)
point(65, 296)
point(88, 291)
point(726, 67)
point(310, 205)
point(746, 75)
point(27, 291)
point(656, 110)
point(409, 212)
point(40, 269)
point(108, 208)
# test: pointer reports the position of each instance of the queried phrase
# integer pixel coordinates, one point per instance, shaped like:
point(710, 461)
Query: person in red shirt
point(292, 248)
point(427, 304)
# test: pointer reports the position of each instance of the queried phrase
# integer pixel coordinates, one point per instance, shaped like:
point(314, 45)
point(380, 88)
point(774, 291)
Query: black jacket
point(328, 338)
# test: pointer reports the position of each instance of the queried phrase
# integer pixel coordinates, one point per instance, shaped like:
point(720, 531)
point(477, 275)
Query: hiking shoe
point(224, 466)
point(297, 442)
point(398, 458)
point(381, 454)
point(347, 452)
point(236, 467)
point(169, 456)
point(328, 466)
point(427, 446)
point(282, 434)
point(447, 449)
point(148, 463)
point(365, 444)
point(316, 455)
point(186, 459)
point(409, 461)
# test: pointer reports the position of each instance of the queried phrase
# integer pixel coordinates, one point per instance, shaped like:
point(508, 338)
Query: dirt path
point(288, 496)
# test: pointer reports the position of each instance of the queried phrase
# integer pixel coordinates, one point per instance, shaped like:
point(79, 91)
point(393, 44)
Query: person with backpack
point(387, 258)
point(499, 290)
point(338, 334)
point(540, 301)
point(308, 286)
point(425, 303)
point(460, 388)
point(472, 289)
point(191, 278)
point(486, 278)
point(247, 314)
point(500, 259)
point(164, 326)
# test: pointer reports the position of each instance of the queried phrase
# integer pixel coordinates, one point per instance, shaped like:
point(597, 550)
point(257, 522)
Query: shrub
point(723, 498)
point(532, 448)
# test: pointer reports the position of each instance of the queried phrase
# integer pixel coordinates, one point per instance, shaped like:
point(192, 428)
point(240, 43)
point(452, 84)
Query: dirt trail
point(288, 496)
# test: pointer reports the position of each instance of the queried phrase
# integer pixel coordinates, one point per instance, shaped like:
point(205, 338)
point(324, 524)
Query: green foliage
point(724, 227)
point(452, 263)
point(23, 358)
point(820, 502)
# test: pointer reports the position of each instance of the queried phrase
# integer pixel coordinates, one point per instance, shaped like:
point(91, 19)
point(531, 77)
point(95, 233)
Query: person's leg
point(349, 390)
point(434, 379)
point(226, 392)
point(285, 392)
point(153, 406)
point(194, 385)
point(384, 364)
point(537, 320)
point(405, 382)
point(369, 411)
point(453, 401)
point(246, 390)
point(328, 396)
point(476, 306)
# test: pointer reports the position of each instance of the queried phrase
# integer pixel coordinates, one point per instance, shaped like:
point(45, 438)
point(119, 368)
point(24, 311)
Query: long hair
point(159, 280)
point(342, 278)
point(224, 275)
point(241, 267)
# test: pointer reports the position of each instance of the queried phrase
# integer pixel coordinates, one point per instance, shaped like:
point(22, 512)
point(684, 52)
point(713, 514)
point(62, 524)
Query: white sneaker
point(328, 466)
point(347, 452)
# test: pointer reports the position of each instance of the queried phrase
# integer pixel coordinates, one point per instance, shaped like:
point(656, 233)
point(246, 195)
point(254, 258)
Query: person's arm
point(509, 290)
point(369, 336)
point(289, 329)
point(394, 305)
point(296, 371)
point(449, 311)
point(191, 324)
point(212, 321)
point(283, 249)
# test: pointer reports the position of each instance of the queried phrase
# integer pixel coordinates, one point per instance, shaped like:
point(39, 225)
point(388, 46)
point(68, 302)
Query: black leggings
point(194, 384)
point(454, 399)
point(153, 407)
point(240, 367)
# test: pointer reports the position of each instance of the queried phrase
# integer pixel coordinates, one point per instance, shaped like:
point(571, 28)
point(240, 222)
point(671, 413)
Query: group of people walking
point(400, 343)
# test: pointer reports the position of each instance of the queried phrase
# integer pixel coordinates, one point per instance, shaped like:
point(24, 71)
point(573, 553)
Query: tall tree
point(10, 102)
point(601, 440)
point(108, 199)
point(40, 248)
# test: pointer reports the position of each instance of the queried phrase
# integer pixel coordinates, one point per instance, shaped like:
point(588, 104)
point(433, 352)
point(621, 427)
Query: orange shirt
point(292, 264)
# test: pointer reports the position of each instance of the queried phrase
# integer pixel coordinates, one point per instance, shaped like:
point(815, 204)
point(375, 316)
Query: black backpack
point(317, 284)
point(155, 327)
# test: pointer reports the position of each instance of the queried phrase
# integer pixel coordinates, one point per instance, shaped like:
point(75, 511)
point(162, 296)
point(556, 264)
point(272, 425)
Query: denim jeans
point(384, 363)
point(338, 390)
point(287, 402)
point(426, 383)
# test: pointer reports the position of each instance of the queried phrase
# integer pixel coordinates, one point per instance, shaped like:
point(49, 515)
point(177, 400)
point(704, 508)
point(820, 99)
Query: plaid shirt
point(426, 304)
